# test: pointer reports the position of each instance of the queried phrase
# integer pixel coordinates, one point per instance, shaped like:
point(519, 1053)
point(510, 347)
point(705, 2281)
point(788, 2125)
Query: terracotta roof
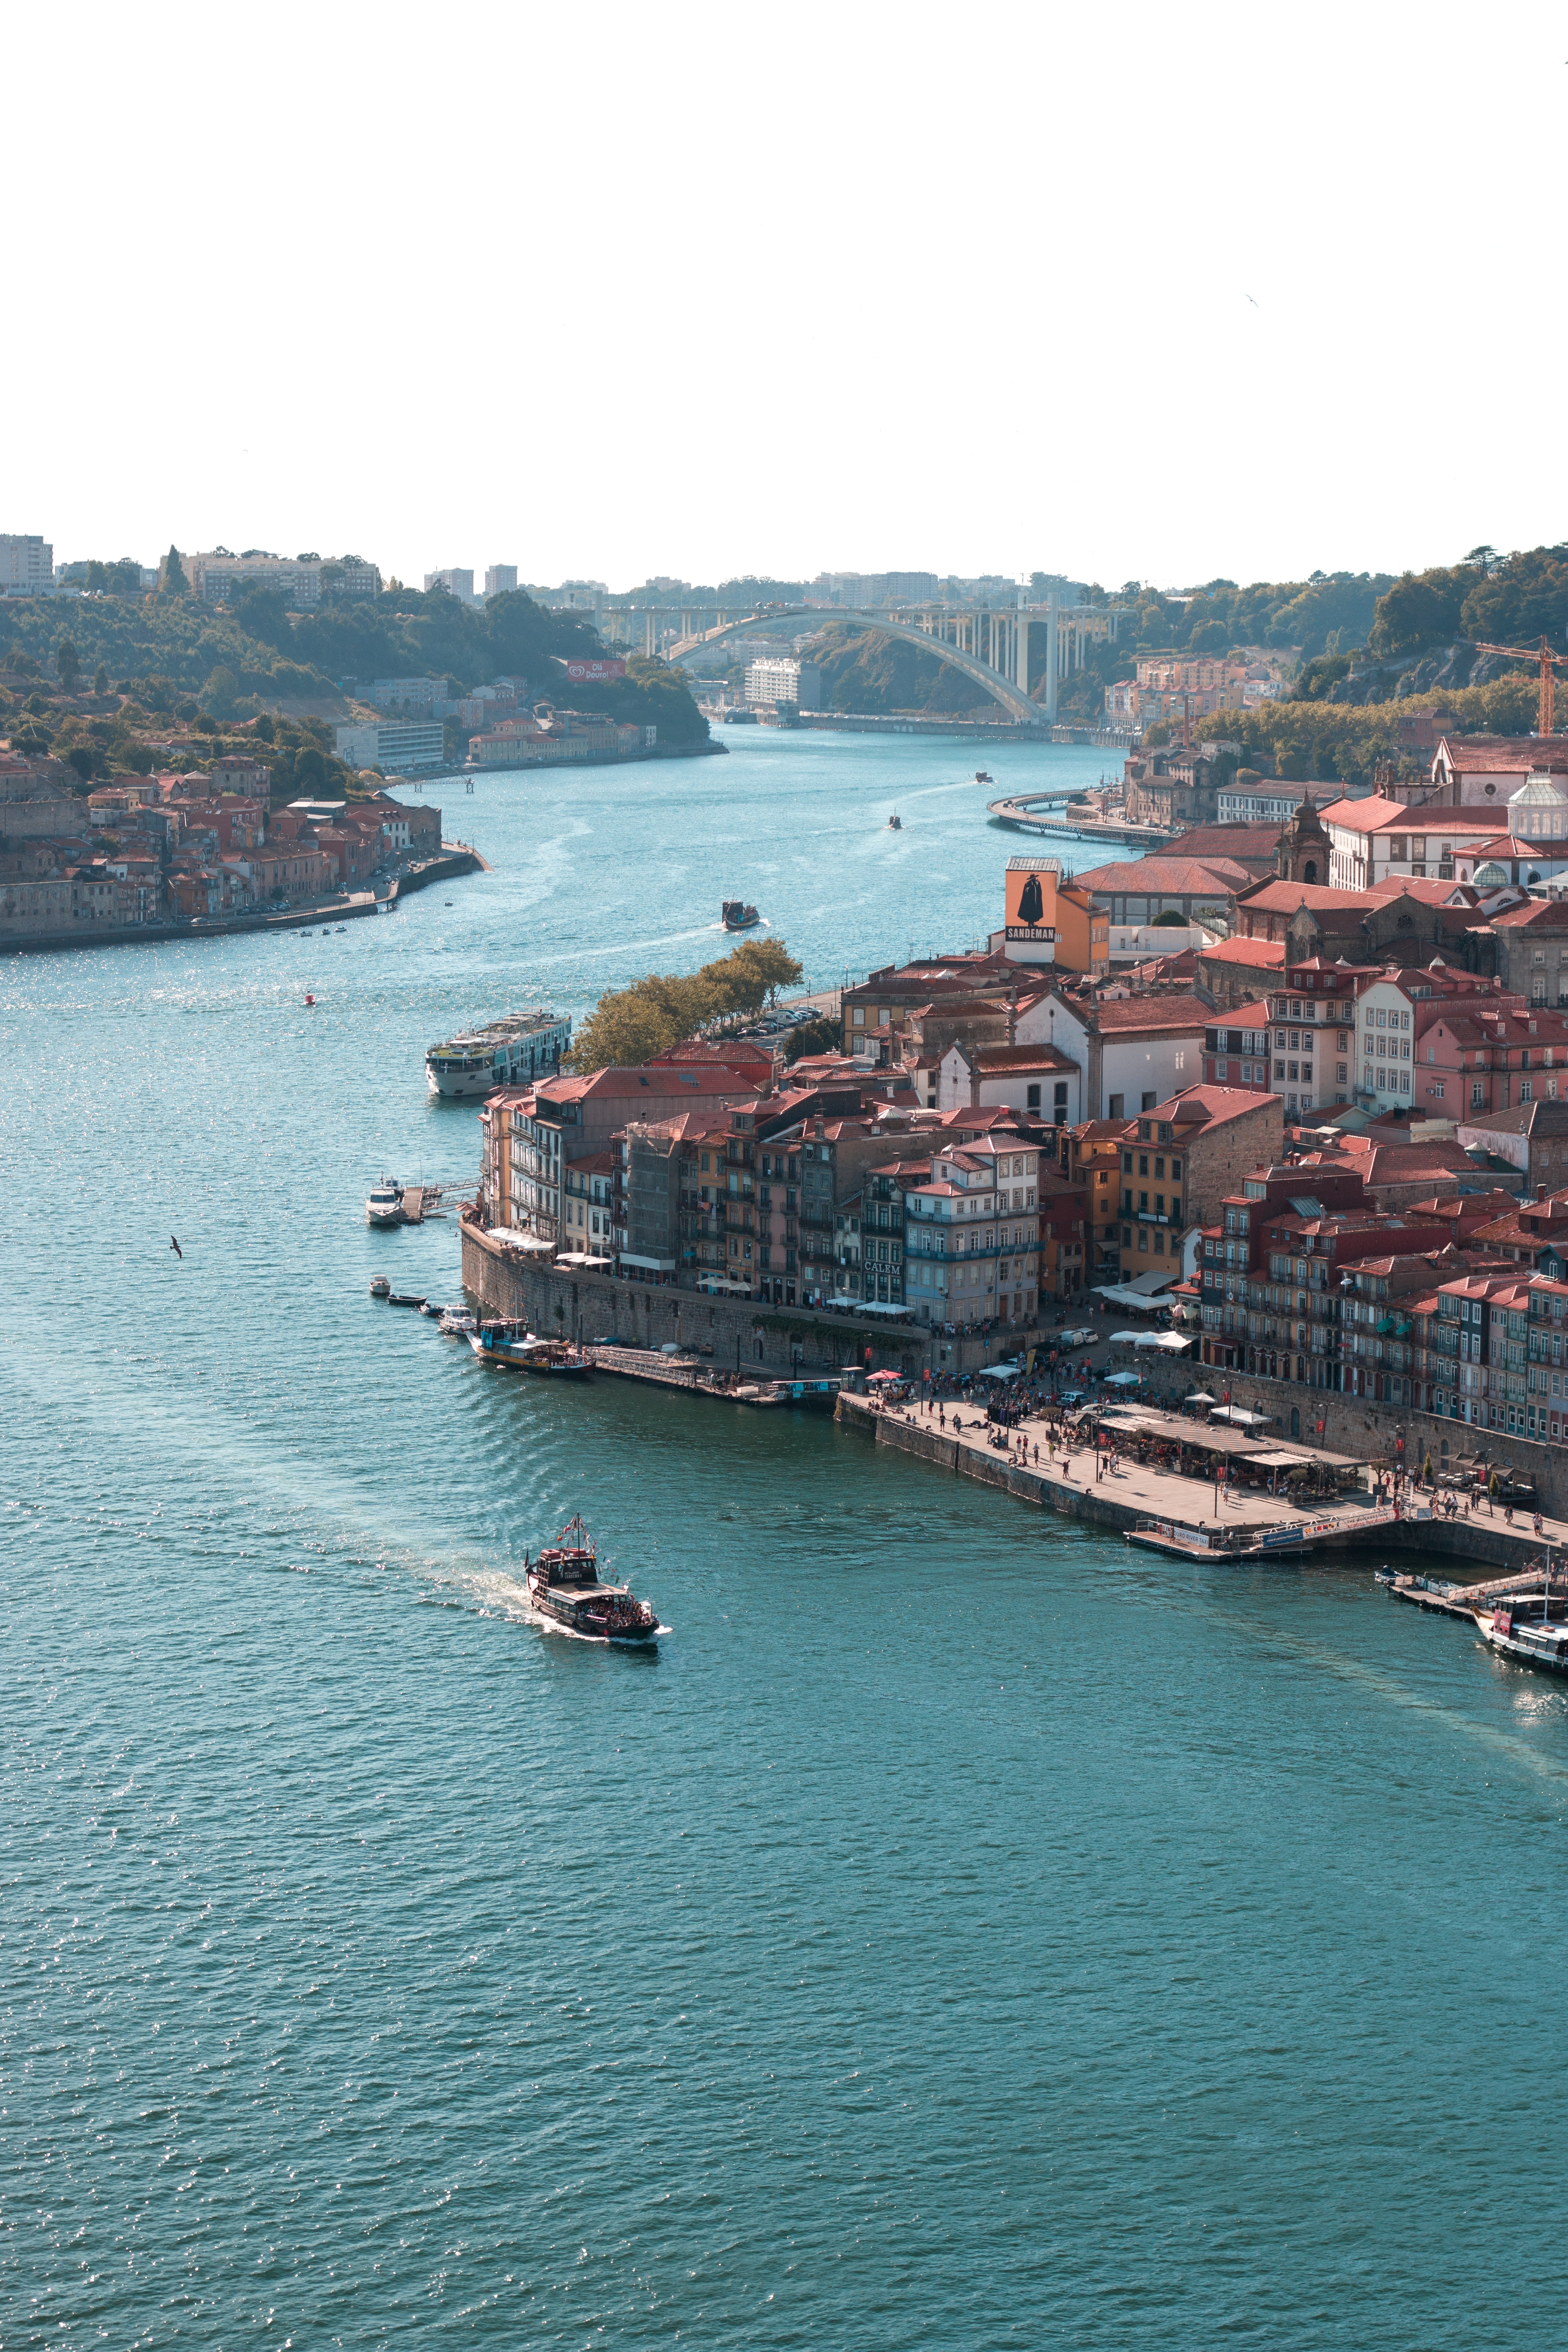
point(1481, 754)
point(1541, 914)
point(1284, 897)
point(1247, 951)
point(1532, 1119)
point(1167, 877)
point(993, 1060)
point(1203, 1106)
point(1377, 814)
point(1244, 1016)
point(1229, 841)
point(1129, 1014)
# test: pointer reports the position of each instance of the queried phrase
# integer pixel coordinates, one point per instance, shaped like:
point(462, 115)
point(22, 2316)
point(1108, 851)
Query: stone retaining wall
point(776, 1338)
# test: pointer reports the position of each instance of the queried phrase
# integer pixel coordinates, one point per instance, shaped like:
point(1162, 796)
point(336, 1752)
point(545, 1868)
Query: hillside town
point(1328, 1148)
point(185, 846)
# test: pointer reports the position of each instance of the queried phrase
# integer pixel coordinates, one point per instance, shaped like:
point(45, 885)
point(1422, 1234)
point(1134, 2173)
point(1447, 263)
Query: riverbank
point(456, 858)
point(1132, 1495)
point(596, 759)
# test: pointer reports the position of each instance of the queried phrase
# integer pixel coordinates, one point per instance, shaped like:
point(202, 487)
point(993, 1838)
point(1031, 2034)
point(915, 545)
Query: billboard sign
point(590, 672)
point(1030, 896)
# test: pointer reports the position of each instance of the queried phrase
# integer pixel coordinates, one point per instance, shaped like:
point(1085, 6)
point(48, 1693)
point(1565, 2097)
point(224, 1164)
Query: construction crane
point(1547, 658)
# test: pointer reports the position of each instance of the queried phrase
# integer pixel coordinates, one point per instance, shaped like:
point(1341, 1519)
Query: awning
point(997, 1372)
point(711, 1282)
point(1122, 1294)
point(1123, 1379)
point(511, 1240)
point(1240, 1418)
point(581, 1258)
point(652, 1264)
point(1200, 1396)
point(1281, 1460)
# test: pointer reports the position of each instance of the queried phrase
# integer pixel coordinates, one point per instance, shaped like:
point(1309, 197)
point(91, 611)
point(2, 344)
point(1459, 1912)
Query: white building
point(218, 578)
point(784, 679)
point(455, 582)
point(26, 564)
point(1256, 804)
point(1374, 839)
point(500, 579)
point(972, 1234)
point(389, 744)
point(1384, 1048)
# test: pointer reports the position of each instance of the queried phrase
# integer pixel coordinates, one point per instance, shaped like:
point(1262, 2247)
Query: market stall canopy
point(1133, 1294)
point(997, 1372)
point(1200, 1396)
point(1238, 1416)
point(1281, 1460)
point(1123, 1379)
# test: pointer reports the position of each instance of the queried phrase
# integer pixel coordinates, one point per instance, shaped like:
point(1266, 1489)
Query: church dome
point(1539, 810)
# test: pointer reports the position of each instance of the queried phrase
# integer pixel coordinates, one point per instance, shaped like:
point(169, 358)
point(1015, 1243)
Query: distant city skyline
point(1190, 333)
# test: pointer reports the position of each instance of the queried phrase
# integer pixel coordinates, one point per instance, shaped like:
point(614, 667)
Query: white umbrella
point(1123, 1379)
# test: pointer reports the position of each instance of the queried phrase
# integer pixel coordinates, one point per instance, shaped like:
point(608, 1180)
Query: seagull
point(175, 1246)
point(1256, 305)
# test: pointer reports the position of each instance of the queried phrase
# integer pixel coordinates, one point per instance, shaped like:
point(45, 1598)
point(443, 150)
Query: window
point(1032, 1098)
point(1116, 1108)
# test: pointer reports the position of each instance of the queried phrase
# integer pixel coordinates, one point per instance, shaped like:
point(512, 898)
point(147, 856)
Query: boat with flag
point(563, 1585)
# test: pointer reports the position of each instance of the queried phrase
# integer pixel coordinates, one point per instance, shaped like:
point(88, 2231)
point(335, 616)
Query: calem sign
point(583, 673)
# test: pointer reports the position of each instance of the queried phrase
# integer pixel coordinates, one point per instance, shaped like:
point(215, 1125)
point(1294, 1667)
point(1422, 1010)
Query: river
point(962, 1933)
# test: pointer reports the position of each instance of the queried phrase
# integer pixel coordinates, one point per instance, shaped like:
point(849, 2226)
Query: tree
point(101, 678)
point(630, 1025)
point(819, 1037)
point(172, 577)
point(84, 760)
point(221, 692)
point(67, 661)
point(1483, 555)
point(1421, 609)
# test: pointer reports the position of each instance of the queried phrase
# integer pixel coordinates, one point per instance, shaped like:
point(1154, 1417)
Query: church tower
point(1305, 849)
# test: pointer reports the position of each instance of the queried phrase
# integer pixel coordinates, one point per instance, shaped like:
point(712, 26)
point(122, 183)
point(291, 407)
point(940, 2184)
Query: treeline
point(1335, 743)
point(239, 662)
point(630, 1024)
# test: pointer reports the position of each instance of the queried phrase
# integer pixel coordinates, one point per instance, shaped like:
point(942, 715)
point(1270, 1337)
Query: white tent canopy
point(1128, 1295)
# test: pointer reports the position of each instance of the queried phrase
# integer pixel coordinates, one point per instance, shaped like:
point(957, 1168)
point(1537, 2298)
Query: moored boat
point(384, 1204)
point(511, 1052)
point(379, 1287)
point(739, 915)
point(1530, 1642)
point(507, 1341)
point(563, 1585)
point(457, 1323)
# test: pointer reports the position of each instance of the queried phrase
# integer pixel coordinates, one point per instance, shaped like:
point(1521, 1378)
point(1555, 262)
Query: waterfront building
point(556, 738)
point(390, 744)
point(783, 678)
point(1089, 1156)
point(972, 1233)
point(568, 1119)
point(26, 564)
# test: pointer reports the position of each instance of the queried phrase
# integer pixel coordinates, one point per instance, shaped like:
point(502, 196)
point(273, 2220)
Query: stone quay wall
point(741, 1331)
point(1466, 1549)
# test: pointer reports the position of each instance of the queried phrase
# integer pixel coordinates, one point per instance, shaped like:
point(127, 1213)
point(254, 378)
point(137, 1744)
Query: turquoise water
point(961, 1934)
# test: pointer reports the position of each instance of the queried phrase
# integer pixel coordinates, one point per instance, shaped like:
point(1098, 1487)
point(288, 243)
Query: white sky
point(612, 290)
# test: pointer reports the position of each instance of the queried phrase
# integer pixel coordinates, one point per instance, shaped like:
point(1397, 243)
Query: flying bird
point(1255, 304)
point(175, 1246)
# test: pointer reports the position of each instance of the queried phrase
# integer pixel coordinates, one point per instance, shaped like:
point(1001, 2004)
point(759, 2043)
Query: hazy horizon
point(1156, 298)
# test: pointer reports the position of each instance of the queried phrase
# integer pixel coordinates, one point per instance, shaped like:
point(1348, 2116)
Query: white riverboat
point(511, 1051)
point(384, 1204)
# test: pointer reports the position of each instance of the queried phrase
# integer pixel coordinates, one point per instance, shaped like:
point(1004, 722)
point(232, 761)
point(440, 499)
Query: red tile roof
point(1246, 951)
point(1377, 814)
point(1166, 876)
point(1128, 1014)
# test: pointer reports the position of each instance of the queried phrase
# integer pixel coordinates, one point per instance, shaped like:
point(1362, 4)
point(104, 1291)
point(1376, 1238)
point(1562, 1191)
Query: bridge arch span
point(1013, 700)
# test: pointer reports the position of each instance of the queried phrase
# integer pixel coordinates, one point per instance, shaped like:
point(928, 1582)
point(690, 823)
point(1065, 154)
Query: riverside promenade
point(1130, 1494)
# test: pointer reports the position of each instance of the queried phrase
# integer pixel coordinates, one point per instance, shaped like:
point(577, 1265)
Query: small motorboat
point(343, 927)
point(433, 1307)
point(982, 778)
point(384, 1204)
point(457, 1322)
point(563, 1584)
point(404, 1299)
point(381, 1287)
point(895, 822)
point(309, 999)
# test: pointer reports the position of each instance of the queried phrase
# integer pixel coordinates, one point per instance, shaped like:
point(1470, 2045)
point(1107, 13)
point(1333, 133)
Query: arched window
point(1310, 872)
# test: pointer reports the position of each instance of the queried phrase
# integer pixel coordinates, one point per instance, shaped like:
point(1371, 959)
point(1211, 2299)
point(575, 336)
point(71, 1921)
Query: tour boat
point(384, 1204)
point(981, 777)
point(1528, 1641)
point(738, 916)
point(563, 1584)
point(510, 1342)
point(511, 1052)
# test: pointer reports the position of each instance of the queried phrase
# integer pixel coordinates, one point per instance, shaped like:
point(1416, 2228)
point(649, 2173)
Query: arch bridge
point(1009, 636)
